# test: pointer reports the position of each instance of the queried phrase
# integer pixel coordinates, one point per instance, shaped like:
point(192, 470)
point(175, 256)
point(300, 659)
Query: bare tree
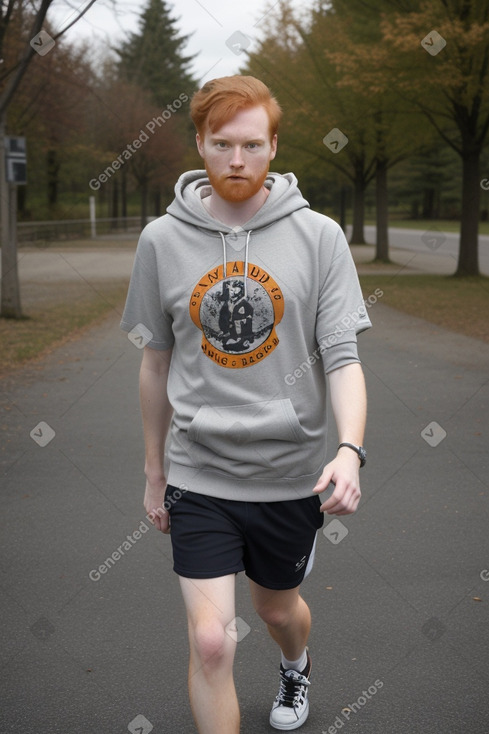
point(36, 41)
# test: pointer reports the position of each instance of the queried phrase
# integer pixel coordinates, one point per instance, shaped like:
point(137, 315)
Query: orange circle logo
point(237, 318)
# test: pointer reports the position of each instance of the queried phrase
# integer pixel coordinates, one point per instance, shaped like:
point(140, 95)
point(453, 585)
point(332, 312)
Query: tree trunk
point(21, 199)
point(144, 204)
point(157, 203)
point(343, 208)
point(53, 167)
point(10, 297)
point(428, 203)
point(357, 236)
point(114, 214)
point(124, 197)
point(382, 211)
point(468, 257)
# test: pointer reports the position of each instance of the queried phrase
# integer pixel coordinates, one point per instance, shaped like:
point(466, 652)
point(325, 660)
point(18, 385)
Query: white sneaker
point(291, 707)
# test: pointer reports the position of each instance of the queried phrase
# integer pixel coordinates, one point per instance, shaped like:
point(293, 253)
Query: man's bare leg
point(286, 615)
point(210, 608)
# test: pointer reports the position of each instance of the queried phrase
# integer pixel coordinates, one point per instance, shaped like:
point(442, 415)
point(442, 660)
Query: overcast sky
point(219, 28)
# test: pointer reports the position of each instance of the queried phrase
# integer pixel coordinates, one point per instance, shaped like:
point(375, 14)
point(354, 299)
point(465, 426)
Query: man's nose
point(237, 157)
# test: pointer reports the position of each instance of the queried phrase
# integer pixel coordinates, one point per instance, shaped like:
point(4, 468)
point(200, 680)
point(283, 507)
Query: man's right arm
point(156, 414)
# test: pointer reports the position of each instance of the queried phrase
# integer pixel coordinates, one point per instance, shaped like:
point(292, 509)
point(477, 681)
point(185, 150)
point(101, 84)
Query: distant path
point(72, 264)
point(430, 250)
point(427, 251)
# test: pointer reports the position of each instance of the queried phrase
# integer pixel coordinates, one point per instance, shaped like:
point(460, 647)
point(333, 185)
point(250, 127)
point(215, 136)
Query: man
point(247, 449)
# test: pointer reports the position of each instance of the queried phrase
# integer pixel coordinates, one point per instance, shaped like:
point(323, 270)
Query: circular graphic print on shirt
point(237, 319)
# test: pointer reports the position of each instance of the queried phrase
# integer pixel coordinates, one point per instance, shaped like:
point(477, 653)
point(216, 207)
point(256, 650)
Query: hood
point(284, 198)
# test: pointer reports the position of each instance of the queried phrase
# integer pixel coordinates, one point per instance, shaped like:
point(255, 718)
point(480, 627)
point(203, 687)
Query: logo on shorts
point(237, 315)
point(300, 564)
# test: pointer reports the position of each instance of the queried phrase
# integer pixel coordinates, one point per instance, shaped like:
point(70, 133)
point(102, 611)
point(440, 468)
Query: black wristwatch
point(362, 454)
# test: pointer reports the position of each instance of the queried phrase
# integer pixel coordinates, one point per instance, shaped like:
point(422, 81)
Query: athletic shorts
point(273, 542)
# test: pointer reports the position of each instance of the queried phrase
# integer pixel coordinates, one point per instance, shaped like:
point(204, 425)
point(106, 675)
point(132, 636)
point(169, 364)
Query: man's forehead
point(251, 122)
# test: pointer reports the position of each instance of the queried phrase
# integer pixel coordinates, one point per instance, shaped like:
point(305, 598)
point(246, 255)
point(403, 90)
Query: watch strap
point(359, 450)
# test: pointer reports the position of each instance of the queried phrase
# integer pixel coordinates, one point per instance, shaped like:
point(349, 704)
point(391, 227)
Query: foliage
point(440, 51)
point(153, 57)
point(378, 71)
point(323, 88)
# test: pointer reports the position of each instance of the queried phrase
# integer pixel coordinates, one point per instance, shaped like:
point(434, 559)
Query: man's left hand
point(343, 473)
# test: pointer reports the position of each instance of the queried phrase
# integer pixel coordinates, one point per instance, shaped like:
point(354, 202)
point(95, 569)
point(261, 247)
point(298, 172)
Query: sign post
point(15, 160)
point(12, 174)
point(93, 217)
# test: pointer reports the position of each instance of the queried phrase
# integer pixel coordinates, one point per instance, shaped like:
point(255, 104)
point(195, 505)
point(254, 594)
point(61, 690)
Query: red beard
point(237, 189)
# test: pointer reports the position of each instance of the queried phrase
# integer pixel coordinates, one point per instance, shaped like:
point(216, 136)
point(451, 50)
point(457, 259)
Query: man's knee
point(276, 616)
point(211, 643)
point(282, 608)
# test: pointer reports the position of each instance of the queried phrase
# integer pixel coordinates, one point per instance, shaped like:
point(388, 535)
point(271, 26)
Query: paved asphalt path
point(430, 251)
point(399, 592)
point(441, 247)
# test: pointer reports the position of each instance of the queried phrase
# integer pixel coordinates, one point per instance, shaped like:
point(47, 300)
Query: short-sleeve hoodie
point(250, 355)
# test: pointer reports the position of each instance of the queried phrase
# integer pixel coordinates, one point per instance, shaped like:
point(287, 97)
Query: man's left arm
point(349, 403)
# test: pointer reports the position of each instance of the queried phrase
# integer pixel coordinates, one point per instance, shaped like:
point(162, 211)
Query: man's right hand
point(154, 498)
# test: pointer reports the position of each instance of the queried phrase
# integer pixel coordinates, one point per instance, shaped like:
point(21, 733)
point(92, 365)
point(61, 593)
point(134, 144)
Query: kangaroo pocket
point(262, 439)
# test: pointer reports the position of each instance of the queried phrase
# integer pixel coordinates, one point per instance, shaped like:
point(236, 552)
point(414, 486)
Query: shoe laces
point(292, 687)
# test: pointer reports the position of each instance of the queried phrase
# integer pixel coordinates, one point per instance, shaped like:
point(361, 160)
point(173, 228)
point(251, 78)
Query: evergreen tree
point(153, 58)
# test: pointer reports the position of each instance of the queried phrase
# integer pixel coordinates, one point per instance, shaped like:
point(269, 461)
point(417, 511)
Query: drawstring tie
point(245, 274)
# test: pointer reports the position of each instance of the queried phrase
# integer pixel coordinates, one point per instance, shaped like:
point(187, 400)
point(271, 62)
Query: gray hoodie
point(247, 378)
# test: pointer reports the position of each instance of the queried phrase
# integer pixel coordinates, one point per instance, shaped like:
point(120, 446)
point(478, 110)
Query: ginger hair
point(220, 99)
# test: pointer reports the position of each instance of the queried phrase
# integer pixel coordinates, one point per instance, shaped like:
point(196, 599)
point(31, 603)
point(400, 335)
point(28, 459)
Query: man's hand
point(343, 473)
point(154, 498)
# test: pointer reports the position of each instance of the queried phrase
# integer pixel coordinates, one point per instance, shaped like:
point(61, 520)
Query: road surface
point(93, 634)
point(433, 245)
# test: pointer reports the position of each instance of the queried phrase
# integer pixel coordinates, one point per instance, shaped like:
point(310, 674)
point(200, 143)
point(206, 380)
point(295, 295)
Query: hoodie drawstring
point(224, 256)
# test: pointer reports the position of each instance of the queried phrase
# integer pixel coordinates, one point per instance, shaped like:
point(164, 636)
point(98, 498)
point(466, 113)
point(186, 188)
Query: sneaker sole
point(295, 724)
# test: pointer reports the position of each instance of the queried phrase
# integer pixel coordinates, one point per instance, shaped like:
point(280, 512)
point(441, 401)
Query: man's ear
point(273, 151)
point(200, 145)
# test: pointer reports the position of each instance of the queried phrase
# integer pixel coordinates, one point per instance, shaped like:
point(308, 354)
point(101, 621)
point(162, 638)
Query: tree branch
point(21, 67)
point(81, 14)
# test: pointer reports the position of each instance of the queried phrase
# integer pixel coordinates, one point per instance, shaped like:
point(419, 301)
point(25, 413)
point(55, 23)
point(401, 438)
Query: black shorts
point(273, 542)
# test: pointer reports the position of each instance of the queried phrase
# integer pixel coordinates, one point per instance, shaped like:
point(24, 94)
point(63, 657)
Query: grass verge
point(459, 304)
point(54, 315)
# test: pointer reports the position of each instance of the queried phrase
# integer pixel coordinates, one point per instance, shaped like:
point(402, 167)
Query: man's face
point(237, 156)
